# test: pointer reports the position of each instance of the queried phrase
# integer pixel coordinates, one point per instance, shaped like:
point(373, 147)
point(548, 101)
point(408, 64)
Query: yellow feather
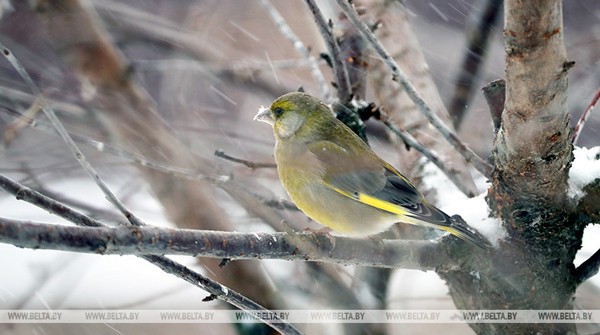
point(371, 201)
point(381, 204)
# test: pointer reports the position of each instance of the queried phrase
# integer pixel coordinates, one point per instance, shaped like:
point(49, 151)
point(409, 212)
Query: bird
point(336, 179)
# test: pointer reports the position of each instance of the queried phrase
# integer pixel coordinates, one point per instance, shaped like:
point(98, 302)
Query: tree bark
point(533, 268)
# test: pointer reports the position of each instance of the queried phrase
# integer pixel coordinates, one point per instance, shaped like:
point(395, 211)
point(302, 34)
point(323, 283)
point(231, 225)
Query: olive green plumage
point(338, 181)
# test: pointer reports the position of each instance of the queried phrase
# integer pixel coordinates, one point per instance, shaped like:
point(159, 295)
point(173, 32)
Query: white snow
point(474, 211)
point(584, 170)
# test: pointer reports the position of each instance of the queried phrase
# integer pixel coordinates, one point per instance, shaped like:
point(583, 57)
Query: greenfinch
point(338, 181)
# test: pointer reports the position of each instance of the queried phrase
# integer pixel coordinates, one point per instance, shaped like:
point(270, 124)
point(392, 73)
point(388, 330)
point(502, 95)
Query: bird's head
point(295, 113)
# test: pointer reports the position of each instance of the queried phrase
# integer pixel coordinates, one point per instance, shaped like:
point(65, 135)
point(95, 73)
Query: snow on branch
point(585, 169)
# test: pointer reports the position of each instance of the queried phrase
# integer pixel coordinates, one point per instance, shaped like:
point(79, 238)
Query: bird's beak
point(264, 115)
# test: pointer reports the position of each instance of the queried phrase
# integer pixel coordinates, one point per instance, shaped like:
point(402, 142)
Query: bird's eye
point(278, 111)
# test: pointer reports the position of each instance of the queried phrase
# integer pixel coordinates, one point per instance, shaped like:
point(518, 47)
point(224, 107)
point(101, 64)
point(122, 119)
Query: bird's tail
point(433, 217)
point(467, 234)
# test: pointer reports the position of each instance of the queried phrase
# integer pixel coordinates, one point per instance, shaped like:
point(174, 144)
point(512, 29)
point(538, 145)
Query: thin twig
point(250, 164)
point(219, 180)
point(339, 67)
point(477, 44)
point(471, 157)
point(226, 294)
point(157, 241)
point(60, 128)
point(78, 203)
point(287, 32)
point(589, 268)
point(584, 117)
point(431, 156)
point(137, 158)
point(164, 263)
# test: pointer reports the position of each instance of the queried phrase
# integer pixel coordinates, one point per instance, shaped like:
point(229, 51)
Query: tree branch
point(250, 164)
point(410, 141)
point(533, 145)
point(220, 181)
point(586, 113)
point(339, 67)
point(482, 166)
point(83, 43)
point(217, 290)
point(110, 196)
point(474, 54)
point(588, 269)
point(145, 241)
point(423, 255)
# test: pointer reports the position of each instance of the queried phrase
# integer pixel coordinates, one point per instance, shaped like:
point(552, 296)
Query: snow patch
point(474, 211)
point(584, 170)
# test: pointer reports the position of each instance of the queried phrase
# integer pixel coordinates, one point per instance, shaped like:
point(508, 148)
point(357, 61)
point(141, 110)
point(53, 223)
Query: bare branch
point(217, 290)
point(250, 164)
point(533, 145)
point(81, 40)
point(391, 23)
point(399, 76)
point(339, 67)
point(479, 37)
point(286, 31)
point(410, 141)
point(589, 268)
point(112, 198)
point(219, 180)
point(584, 116)
point(139, 159)
point(146, 241)
point(425, 255)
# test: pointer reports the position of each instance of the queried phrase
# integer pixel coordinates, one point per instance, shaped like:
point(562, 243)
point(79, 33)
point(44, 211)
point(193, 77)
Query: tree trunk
point(533, 268)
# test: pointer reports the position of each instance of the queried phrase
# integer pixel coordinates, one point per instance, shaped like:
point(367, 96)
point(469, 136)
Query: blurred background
point(174, 81)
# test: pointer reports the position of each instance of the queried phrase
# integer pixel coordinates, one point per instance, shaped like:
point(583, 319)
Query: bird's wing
point(365, 177)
